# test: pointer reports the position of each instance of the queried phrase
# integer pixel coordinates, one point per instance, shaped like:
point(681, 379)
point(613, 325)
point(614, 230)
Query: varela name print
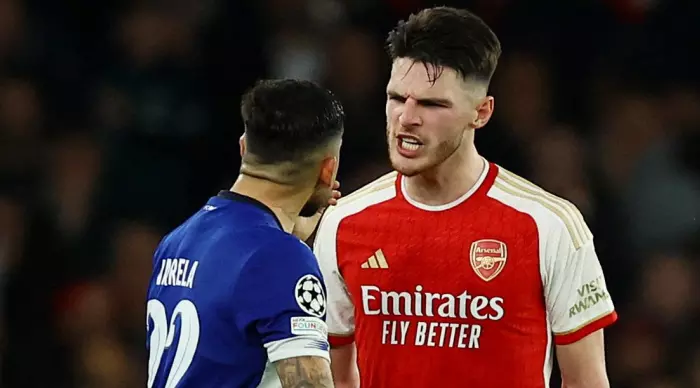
point(177, 272)
point(445, 332)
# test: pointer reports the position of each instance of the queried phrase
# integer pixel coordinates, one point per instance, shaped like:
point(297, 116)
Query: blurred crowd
point(119, 118)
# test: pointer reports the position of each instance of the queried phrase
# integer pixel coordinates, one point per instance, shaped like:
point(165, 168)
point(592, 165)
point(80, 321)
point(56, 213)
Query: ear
point(329, 169)
point(484, 111)
point(241, 143)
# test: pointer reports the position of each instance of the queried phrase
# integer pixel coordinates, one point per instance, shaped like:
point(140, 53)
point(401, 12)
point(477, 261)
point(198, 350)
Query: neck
point(285, 201)
point(447, 181)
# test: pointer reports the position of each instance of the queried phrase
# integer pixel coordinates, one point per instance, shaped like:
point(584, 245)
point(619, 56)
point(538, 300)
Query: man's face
point(426, 122)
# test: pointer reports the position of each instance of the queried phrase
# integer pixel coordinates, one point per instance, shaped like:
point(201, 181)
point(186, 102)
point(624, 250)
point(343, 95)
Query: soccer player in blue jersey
point(235, 298)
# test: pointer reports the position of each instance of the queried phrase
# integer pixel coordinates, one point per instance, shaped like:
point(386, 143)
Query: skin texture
point(442, 116)
point(344, 366)
point(437, 114)
point(304, 372)
point(582, 363)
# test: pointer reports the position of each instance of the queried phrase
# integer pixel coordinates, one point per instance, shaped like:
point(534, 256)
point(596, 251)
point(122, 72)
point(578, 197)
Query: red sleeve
point(340, 340)
point(583, 331)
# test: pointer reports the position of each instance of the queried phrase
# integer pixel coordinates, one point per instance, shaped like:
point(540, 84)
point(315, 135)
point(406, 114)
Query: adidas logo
point(377, 260)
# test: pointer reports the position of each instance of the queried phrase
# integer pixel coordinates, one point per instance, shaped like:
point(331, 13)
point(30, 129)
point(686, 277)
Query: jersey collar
point(231, 196)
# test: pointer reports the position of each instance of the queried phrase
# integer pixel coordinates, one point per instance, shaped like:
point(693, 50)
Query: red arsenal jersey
point(469, 294)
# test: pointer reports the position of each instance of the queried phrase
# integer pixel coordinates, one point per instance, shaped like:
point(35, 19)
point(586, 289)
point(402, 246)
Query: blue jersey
point(230, 294)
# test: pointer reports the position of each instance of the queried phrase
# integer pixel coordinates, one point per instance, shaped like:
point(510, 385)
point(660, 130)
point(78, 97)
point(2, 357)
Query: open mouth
point(409, 143)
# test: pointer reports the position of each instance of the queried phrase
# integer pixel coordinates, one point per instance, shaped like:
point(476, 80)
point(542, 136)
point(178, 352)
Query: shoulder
point(280, 266)
point(282, 244)
point(281, 253)
point(378, 191)
point(555, 217)
point(253, 241)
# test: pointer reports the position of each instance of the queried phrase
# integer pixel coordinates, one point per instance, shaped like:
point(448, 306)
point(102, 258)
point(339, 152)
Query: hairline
point(470, 83)
point(287, 171)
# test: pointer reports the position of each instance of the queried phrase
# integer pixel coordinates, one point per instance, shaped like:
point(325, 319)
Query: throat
point(443, 189)
point(433, 193)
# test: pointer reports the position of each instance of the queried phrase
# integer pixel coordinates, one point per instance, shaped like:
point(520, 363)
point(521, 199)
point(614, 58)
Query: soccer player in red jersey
point(452, 271)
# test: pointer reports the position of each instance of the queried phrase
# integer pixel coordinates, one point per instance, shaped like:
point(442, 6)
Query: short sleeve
point(577, 298)
point(340, 315)
point(281, 297)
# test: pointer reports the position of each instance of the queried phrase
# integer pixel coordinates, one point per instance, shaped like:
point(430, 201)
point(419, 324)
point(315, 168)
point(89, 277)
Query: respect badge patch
point(309, 326)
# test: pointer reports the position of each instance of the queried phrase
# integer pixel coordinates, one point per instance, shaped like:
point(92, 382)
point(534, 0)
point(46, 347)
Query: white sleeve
point(300, 345)
point(340, 313)
point(577, 298)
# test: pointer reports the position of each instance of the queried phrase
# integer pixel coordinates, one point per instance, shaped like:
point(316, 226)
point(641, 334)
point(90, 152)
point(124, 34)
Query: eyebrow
point(423, 101)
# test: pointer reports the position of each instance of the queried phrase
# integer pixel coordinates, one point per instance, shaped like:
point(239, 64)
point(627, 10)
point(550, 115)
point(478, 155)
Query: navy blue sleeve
point(281, 296)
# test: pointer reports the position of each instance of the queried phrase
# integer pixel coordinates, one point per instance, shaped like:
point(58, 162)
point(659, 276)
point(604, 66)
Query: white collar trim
point(458, 201)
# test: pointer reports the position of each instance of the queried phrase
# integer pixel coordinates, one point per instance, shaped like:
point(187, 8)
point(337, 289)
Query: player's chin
point(407, 166)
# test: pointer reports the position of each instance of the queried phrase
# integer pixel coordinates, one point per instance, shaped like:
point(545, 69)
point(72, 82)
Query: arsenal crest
point(488, 257)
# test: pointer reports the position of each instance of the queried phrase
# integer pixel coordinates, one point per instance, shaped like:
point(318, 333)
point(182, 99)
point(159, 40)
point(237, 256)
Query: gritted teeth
point(409, 145)
point(410, 140)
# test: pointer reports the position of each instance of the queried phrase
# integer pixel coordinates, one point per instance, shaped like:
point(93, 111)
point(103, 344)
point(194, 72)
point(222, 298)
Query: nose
point(409, 115)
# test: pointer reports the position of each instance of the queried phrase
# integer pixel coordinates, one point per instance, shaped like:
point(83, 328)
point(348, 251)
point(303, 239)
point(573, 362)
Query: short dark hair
point(286, 120)
point(447, 37)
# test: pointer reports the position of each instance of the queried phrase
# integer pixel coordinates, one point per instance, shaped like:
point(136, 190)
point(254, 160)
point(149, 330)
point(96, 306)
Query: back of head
point(447, 37)
point(289, 126)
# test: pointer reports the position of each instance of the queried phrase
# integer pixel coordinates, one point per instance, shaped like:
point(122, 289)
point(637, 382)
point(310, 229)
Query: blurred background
point(118, 119)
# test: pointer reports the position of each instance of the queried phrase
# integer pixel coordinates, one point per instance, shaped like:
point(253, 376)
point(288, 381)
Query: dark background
point(120, 118)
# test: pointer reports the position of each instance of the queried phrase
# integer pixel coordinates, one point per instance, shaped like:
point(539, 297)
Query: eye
point(397, 98)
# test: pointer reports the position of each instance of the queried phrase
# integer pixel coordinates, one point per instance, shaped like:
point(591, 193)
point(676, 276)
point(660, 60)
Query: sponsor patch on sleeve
point(309, 326)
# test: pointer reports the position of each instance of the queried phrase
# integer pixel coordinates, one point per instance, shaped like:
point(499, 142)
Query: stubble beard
point(432, 158)
point(318, 200)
